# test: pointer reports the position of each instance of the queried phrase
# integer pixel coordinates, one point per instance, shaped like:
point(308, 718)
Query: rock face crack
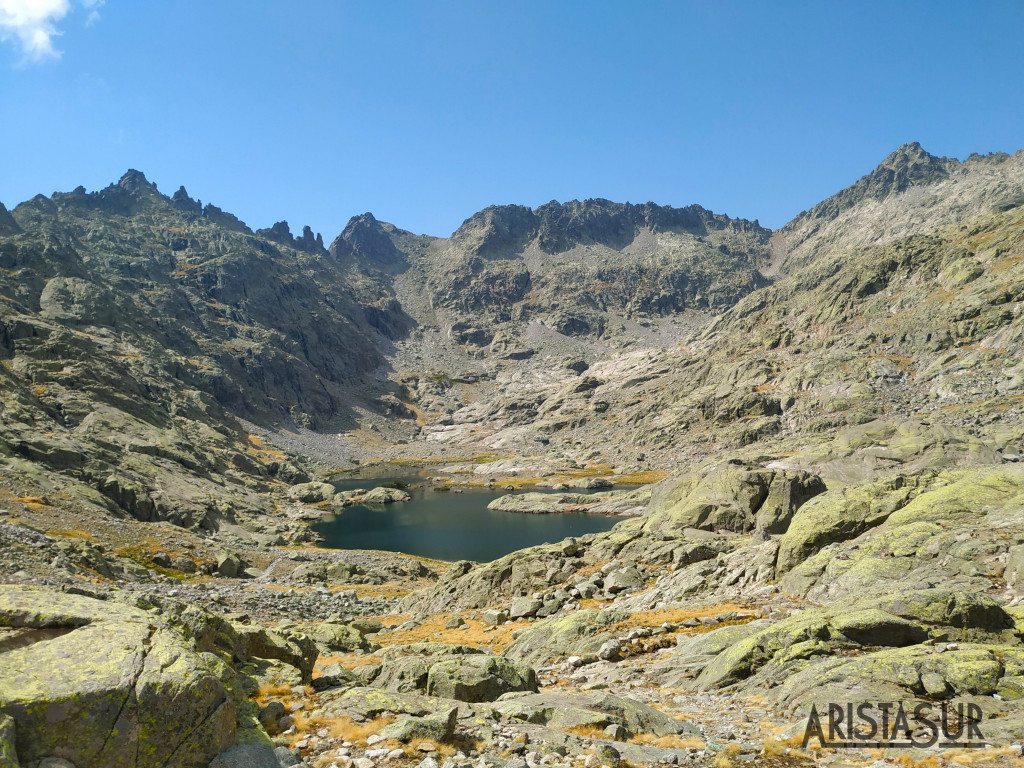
point(172, 760)
point(114, 729)
point(128, 698)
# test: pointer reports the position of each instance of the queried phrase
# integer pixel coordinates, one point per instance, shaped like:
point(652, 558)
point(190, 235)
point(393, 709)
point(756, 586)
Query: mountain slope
point(135, 329)
point(863, 324)
point(911, 192)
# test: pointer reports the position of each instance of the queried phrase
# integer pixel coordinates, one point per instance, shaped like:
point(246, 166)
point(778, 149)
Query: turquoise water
point(447, 526)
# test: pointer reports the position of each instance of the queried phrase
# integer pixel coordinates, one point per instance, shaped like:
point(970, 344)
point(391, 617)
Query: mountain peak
point(908, 149)
point(7, 222)
point(365, 238)
point(182, 201)
point(909, 165)
point(496, 230)
point(135, 181)
point(913, 164)
point(282, 233)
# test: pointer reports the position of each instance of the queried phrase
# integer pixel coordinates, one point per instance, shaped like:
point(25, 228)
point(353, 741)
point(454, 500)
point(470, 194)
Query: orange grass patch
point(71, 533)
point(433, 630)
point(586, 731)
point(347, 660)
point(724, 759)
point(677, 615)
point(971, 757)
point(32, 502)
point(666, 742)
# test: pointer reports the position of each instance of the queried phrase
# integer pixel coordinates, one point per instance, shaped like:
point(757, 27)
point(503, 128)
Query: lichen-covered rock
point(478, 678)
point(331, 636)
point(840, 515)
point(693, 654)
point(438, 727)
point(381, 495)
point(543, 503)
point(452, 672)
point(118, 688)
point(291, 647)
point(229, 565)
point(364, 703)
point(8, 755)
point(902, 619)
point(730, 497)
point(623, 578)
point(247, 756)
point(578, 633)
point(571, 710)
point(933, 528)
point(312, 493)
point(524, 607)
point(917, 671)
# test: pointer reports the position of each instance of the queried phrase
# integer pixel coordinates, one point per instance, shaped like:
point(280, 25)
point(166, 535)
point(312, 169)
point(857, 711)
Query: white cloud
point(92, 6)
point(33, 24)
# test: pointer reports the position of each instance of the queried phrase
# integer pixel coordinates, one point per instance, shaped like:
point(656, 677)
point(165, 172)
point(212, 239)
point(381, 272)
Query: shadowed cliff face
point(266, 321)
point(135, 329)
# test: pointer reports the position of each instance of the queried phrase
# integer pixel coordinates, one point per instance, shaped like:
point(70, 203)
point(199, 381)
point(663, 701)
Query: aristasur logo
point(891, 725)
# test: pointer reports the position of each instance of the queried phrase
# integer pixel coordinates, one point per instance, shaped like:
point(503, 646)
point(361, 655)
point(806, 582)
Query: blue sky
point(425, 112)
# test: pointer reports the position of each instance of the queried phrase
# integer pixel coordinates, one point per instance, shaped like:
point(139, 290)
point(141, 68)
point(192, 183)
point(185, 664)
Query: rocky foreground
point(700, 632)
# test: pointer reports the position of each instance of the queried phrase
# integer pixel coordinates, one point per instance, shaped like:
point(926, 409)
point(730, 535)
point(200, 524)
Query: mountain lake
point(449, 525)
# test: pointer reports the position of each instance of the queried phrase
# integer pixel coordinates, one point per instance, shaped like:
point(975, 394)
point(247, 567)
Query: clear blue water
point(447, 526)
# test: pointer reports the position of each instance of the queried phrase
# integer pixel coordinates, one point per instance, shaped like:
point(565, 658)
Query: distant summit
point(909, 165)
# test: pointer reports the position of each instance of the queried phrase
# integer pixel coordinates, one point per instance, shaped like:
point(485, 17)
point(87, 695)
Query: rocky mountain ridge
point(834, 409)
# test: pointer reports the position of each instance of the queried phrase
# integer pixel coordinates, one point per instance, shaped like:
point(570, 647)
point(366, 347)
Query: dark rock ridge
point(282, 233)
point(581, 268)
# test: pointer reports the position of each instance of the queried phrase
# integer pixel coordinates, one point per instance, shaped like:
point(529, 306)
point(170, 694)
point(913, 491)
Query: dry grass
point(587, 570)
point(269, 691)
point(774, 747)
point(645, 739)
point(586, 731)
point(433, 630)
point(666, 742)
point(645, 477)
point(927, 761)
point(32, 502)
point(349, 730)
point(260, 450)
point(377, 590)
point(348, 660)
point(441, 748)
point(151, 547)
point(71, 533)
point(344, 727)
point(677, 615)
point(724, 759)
point(970, 757)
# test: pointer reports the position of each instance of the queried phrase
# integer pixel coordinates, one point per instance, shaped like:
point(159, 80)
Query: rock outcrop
point(101, 684)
